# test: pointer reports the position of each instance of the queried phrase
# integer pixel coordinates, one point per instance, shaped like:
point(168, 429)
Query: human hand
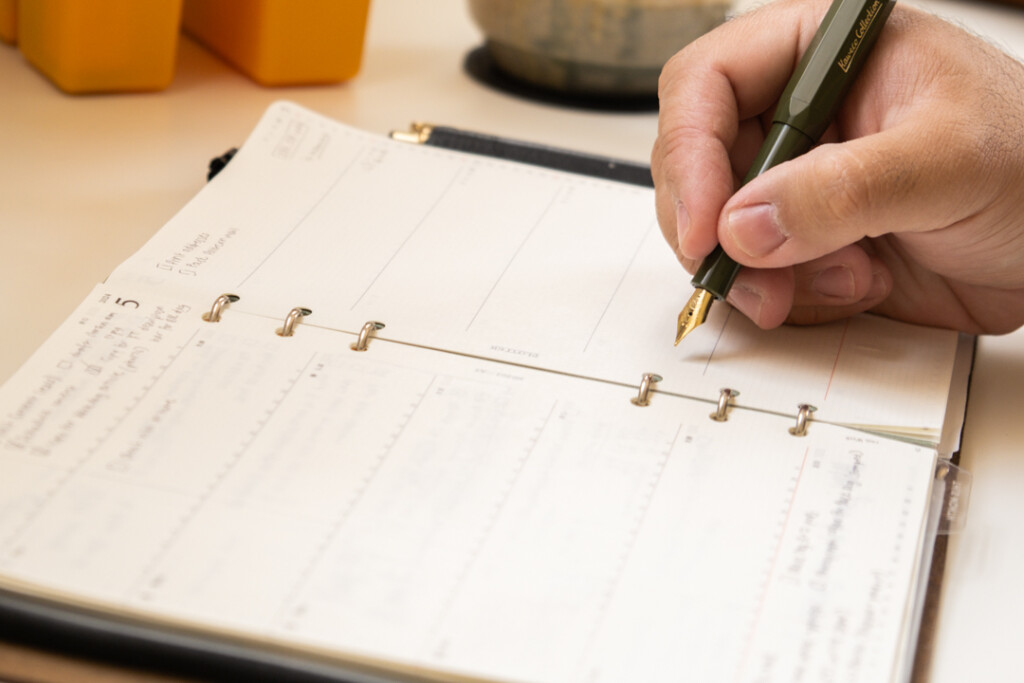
point(913, 205)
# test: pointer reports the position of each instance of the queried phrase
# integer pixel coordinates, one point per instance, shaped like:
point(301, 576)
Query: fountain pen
point(807, 106)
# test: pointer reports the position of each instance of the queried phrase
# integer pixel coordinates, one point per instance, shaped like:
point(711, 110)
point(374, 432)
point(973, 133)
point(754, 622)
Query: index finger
point(734, 73)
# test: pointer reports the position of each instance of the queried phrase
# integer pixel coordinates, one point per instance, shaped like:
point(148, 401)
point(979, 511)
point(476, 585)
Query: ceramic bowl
point(594, 47)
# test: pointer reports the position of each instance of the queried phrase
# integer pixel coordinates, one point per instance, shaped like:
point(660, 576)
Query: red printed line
point(771, 572)
point(835, 363)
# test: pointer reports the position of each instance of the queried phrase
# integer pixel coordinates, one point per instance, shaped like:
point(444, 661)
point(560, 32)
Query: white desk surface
point(85, 180)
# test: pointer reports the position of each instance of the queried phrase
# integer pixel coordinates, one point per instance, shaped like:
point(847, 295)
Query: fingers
point(840, 284)
point(765, 296)
point(710, 95)
point(692, 180)
point(895, 181)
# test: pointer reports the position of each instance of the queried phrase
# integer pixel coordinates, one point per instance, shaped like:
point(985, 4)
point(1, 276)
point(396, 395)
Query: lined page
point(515, 263)
point(445, 513)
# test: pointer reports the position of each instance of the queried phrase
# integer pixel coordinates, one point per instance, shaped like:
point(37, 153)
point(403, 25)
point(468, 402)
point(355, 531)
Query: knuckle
point(842, 189)
point(675, 68)
point(673, 155)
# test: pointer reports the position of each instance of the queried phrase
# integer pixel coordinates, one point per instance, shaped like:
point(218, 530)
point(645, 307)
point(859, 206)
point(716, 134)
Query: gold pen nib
point(695, 313)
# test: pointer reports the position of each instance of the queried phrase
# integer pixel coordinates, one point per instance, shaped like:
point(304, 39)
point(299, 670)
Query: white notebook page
point(445, 513)
point(515, 263)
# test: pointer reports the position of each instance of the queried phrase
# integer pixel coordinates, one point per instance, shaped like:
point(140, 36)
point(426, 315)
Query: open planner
point(372, 410)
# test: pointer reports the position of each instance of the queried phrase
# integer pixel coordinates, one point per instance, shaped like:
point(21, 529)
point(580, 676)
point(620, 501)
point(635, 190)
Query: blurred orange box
point(8, 20)
point(101, 45)
point(283, 42)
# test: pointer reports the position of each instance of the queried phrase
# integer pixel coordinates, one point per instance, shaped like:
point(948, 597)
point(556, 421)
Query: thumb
point(897, 180)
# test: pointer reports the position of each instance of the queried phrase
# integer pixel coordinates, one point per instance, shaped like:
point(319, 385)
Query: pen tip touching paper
point(694, 314)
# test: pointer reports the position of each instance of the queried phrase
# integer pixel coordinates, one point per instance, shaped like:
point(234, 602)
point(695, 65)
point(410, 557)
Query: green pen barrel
point(718, 270)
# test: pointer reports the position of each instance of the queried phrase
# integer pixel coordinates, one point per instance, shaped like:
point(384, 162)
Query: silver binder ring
point(291, 320)
point(803, 417)
point(643, 397)
point(364, 335)
point(219, 304)
point(725, 398)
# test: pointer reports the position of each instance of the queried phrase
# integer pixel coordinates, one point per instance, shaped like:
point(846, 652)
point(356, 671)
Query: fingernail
point(682, 225)
point(878, 287)
point(836, 281)
point(756, 229)
point(748, 301)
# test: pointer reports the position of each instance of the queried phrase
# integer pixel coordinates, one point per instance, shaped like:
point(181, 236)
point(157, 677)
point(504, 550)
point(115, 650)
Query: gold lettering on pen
point(858, 37)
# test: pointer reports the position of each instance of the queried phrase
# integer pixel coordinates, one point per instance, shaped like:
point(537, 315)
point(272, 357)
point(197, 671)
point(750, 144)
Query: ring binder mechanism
point(803, 417)
point(369, 328)
point(291, 320)
point(724, 400)
point(219, 304)
point(642, 397)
